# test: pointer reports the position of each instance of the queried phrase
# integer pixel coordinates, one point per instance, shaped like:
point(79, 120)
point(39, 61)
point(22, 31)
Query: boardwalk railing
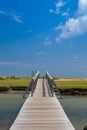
point(32, 85)
point(52, 86)
point(41, 113)
point(34, 82)
point(44, 88)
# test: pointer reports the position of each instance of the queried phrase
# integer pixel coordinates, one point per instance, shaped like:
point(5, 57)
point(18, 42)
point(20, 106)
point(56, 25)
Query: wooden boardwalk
point(42, 113)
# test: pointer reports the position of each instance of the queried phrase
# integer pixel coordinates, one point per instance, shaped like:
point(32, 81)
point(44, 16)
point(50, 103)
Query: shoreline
point(21, 89)
point(74, 91)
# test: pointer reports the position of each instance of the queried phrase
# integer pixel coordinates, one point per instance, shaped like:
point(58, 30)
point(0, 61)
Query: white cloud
point(41, 53)
point(7, 63)
point(74, 26)
point(59, 27)
point(51, 10)
point(47, 41)
point(58, 6)
point(16, 17)
point(82, 7)
point(14, 63)
point(65, 14)
point(27, 31)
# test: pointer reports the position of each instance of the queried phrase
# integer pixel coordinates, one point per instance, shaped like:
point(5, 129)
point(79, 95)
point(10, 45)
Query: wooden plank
point(42, 113)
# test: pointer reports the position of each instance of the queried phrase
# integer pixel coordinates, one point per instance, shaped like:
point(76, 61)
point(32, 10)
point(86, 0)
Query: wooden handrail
point(32, 84)
point(52, 84)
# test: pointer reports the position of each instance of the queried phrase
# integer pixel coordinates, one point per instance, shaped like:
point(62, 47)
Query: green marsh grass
point(14, 82)
point(79, 84)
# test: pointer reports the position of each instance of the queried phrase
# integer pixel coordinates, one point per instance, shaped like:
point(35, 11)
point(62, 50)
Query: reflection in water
point(10, 105)
point(74, 106)
point(76, 109)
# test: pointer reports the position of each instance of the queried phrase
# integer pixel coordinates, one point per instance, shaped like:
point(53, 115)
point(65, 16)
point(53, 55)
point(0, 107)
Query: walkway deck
point(42, 113)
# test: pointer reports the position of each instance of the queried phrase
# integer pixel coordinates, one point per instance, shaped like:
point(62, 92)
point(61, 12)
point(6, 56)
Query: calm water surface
point(74, 106)
point(76, 109)
point(10, 105)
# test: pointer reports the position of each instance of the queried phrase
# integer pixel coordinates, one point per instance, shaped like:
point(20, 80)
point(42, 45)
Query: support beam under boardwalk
point(42, 113)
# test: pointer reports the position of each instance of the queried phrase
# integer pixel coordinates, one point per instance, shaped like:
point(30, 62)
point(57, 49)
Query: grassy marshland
point(14, 82)
point(64, 83)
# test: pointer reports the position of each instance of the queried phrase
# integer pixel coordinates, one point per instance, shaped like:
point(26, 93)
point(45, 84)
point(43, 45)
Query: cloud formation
point(75, 26)
point(82, 7)
point(16, 17)
point(14, 63)
point(47, 41)
point(41, 53)
point(58, 5)
point(65, 14)
point(27, 31)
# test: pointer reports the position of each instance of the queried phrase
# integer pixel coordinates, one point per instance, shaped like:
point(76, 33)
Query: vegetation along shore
point(13, 83)
point(67, 86)
point(72, 86)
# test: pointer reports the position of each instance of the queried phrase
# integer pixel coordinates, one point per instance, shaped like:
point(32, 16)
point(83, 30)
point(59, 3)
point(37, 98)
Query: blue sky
point(43, 35)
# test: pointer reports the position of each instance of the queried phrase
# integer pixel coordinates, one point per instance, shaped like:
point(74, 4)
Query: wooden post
point(43, 88)
point(32, 88)
point(52, 88)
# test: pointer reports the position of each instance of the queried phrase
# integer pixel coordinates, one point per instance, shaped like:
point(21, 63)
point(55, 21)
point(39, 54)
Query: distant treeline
point(12, 77)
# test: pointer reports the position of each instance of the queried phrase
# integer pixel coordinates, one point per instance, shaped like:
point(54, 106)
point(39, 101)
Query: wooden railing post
point(43, 88)
point(52, 84)
point(32, 88)
point(51, 88)
point(34, 82)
